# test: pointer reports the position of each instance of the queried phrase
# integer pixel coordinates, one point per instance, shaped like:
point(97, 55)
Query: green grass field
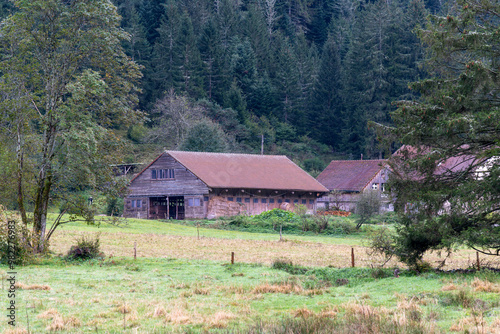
point(183, 283)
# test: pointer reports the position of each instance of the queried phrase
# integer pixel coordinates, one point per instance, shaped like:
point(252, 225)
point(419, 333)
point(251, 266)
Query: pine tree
point(190, 64)
point(327, 105)
point(212, 55)
point(287, 80)
point(449, 170)
point(166, 72)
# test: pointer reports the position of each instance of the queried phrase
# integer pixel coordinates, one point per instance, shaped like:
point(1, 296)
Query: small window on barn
point(238, 199)
point(271, 200)
point(280, 201)
point(304, 201)
point(264, 200)
point(230, 199)
point(247, 200)
point(132, 203)
point(295, 201)
point(162, 174)
point(256, 200)
point(311, 201)
point(138, 203)
point(205, 198)
point(287, 200)
point(193, 202)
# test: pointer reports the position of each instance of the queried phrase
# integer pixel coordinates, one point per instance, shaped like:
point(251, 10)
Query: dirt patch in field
point(249, 251)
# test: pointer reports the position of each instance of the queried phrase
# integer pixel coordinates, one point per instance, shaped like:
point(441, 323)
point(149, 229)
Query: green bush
point(239, 221)
point(86, 248)
point(341, 226)
point(277, 213)
point(136, 133)
point(15, 240)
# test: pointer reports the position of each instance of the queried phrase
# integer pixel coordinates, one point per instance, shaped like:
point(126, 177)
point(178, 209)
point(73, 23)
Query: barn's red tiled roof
point(249, 171)
point(350, 175)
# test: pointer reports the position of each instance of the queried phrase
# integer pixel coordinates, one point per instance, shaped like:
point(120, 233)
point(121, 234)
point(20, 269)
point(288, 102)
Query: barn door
point(158, 208)
point(176, 207)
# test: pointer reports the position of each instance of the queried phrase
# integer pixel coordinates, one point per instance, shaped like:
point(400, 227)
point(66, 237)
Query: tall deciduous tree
point(65, 81)
point(448, 175)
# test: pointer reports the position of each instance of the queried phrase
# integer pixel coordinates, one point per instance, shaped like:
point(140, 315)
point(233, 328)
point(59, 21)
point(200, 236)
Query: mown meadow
point(182, 281)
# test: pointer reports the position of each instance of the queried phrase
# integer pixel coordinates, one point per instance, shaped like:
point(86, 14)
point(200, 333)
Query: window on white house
point(375, 186)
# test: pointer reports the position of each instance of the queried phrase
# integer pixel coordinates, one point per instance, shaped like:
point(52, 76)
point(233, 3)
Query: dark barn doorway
point(176, 207)
point(158, 208)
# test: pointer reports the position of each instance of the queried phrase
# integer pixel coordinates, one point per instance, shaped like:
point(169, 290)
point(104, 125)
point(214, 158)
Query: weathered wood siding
point(193, 210)
point(184, 183)
point(134, 211)
point(253, 202)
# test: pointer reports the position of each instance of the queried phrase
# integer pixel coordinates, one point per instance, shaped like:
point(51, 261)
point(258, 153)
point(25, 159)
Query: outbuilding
point(348, 179)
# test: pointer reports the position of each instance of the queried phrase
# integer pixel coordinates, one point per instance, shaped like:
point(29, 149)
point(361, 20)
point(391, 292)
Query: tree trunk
point(20, 176)
point(43, 191)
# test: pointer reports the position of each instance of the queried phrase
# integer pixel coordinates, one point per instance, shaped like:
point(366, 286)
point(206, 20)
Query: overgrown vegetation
point(288, 222)
point(15, 245)
point(86, 247)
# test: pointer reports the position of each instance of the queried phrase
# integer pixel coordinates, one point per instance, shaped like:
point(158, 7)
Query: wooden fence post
point(352, 257)
point(135, 250)
point(232, 257)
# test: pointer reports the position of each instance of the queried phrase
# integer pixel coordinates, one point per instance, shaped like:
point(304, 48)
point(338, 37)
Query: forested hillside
point(303, 75)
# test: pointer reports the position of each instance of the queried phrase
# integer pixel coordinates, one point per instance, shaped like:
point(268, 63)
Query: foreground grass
point(121, 295)
point(182, 283)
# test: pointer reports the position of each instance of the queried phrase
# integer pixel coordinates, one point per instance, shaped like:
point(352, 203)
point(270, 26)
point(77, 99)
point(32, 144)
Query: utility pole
point(262, 145)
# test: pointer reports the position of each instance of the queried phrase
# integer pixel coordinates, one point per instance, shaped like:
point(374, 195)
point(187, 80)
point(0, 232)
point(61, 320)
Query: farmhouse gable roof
point(350, 175)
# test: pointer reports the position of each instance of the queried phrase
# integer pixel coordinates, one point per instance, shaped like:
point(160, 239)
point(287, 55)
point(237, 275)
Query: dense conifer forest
point(303, 77)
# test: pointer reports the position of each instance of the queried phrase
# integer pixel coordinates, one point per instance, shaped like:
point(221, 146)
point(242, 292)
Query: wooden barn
point(347, 179)
point(194, 185)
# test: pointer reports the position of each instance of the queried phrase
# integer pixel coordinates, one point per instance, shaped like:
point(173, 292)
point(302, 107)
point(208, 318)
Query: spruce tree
point(325, 116)
point(448, 172)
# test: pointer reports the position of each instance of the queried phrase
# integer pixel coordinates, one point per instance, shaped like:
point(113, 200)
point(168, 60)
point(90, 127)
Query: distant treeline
point(305, 74)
